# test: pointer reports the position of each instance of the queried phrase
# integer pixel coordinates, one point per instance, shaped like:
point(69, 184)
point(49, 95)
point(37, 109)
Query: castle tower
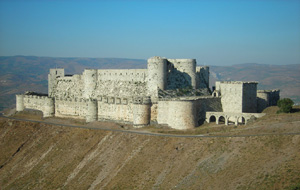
point(157, 75)
point(182, 114)
point(142, 112)
point(20, 102)
point(92, 111)
point(48, 110)
point(202, 77)
point(90, 81)
point(188, 69)
point(52, 76)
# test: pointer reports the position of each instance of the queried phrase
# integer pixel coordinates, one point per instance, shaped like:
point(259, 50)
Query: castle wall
point(52, 76)
point(237, 96)
point(20, 102)
point(71, 108)
point(274, 97)
point(188, 69)
point(267, 98)
point(120, 89)
point(232, 96)
point(202, 77)
point(131, 95)
point(163, 112)
point(249, 97)
point(132, 75)
point(115, 109)
point(182, 115)
point(92, 111)
point(181, 73)
point(141, 114)
point(68, 87)
point(161, 73)
point(42, 103)
point(186, 113)
point(89, 82)
point(154, 112)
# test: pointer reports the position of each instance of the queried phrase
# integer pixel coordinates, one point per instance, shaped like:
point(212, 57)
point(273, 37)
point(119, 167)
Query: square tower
point(237, 96)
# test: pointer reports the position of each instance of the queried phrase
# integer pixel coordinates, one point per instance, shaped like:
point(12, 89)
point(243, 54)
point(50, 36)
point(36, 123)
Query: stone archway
point(221, 120)
point(242, 120)
point(212, 118)
point(231, 120)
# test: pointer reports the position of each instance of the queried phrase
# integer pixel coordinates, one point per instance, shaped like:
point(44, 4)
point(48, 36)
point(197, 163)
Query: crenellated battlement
point(38, 97)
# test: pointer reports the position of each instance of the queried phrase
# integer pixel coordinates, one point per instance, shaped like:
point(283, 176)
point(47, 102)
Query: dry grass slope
point(42, 156)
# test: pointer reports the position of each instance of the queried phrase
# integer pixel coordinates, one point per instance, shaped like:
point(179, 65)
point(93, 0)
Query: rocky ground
point(44, 156)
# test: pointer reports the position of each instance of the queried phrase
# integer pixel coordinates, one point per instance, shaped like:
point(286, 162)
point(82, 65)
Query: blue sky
point(214, 32)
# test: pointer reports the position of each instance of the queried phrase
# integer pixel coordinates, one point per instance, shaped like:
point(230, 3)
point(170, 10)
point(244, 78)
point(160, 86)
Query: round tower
point(157, 75)
point(20, 102)
point(91, 113)
point(48, 110)
point(183, 114)
point(262, 100)
point(142, 112)
point(188, 66)
point(90, 81)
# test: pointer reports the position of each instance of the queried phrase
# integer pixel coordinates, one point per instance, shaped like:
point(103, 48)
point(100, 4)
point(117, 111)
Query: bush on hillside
point(285, 105)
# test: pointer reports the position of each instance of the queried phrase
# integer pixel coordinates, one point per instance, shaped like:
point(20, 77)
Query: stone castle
point(173, 92)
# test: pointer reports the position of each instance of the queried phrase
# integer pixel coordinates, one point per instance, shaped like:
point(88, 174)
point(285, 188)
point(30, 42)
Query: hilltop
point(46, 156)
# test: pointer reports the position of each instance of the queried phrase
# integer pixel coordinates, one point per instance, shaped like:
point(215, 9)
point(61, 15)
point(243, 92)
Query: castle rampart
point(130, 75)
point(42, 103)
point(158, 94)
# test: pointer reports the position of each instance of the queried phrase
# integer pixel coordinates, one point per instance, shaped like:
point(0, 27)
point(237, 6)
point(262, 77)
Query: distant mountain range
point(29, 73)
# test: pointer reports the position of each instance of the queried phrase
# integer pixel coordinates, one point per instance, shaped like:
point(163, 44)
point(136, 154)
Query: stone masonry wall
point(113, 109)
point(237, 96)
point(120, 83)
point(181, 73)
point(267, 98)
point(42, 103)
point(71, 108)
point(249, 97)
point(202, 77)
point(186, 113)
point(232, 96)
point(68, 87)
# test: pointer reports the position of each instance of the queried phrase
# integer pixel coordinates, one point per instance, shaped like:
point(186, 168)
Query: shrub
point(285, 105)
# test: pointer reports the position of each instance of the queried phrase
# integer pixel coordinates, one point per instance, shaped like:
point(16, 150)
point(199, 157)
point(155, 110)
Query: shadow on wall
point(177, 79)
point(261, 104)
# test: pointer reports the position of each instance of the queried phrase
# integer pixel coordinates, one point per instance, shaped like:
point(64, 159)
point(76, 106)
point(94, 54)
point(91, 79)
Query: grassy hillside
point(43, 156)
